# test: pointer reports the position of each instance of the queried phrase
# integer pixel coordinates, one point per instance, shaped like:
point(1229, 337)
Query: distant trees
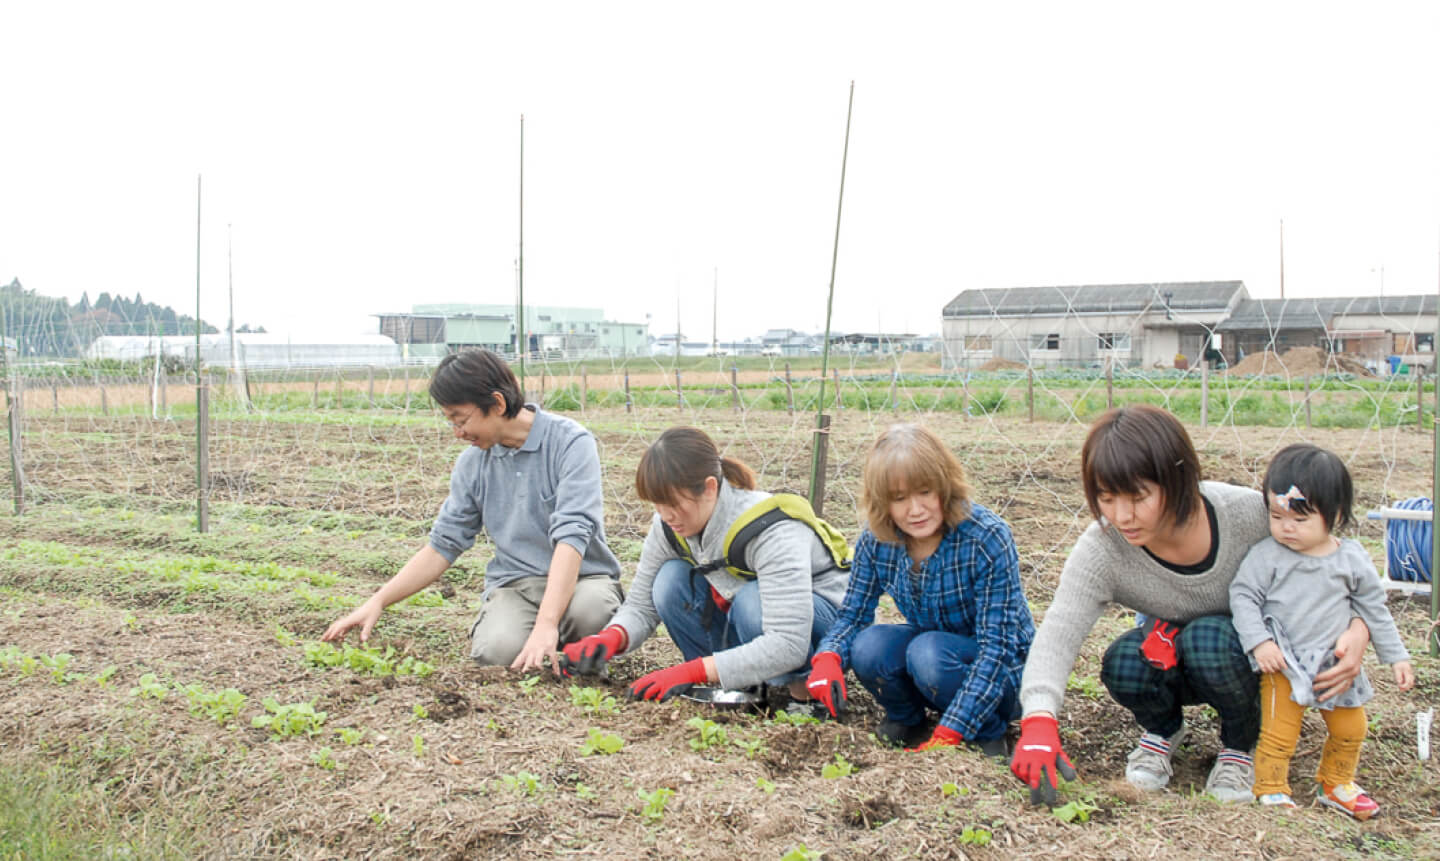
point(45, 326)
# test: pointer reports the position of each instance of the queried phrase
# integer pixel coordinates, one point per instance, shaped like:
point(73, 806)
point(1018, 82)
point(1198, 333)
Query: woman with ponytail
point(733, 630)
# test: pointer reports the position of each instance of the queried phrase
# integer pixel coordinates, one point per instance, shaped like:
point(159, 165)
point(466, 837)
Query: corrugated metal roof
point(1276, 315)
point(1121, 298)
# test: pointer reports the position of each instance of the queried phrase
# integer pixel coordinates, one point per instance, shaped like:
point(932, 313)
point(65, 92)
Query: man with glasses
point(532, 480)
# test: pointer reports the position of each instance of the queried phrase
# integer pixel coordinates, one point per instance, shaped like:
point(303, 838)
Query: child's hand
point(1404, 675)
point(1269, 657)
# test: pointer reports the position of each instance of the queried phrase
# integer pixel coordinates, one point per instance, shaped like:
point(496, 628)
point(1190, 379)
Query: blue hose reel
point(1407, 543)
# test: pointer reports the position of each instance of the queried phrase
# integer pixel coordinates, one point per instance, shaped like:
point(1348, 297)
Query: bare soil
point(245, 794)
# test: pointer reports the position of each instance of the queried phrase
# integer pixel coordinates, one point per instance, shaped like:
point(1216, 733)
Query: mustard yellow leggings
point(1280, 719)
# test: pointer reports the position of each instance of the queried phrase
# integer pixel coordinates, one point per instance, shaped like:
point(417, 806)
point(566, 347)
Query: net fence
point(349, 438)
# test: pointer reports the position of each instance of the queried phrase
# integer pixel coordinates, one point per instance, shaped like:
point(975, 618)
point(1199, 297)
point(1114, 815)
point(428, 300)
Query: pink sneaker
point(1348, 798)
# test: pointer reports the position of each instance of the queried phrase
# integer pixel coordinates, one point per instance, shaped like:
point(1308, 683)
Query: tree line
point(36, 325)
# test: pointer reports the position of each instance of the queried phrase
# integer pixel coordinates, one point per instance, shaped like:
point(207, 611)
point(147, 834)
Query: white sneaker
point(1148, 765)
point(1232, 777)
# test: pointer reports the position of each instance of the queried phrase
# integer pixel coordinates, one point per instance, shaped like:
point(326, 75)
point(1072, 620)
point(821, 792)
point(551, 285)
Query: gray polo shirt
point(528, 499)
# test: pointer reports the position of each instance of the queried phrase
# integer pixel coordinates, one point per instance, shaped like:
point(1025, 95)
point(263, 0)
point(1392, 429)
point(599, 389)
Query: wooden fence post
point(839, 404)
point(14, 406)
point(104, 401)
point(735, 386)
point(54, 397)
point(789, 390)
point(1030, 391)
point(1110, 382)
point(679, 391)
point(315, 393)
point(584, 388)
point(1419, 400)
point(202, 455)
point(1307, 401)
point(1204, 393)
point(822, 443)
point(629, 404)
point(370, 372)
point(894, 387)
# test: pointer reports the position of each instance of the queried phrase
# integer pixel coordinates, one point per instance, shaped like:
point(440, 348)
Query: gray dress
point(1304, 603)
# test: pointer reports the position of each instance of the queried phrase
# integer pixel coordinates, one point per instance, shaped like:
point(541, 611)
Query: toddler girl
point(1295, 592)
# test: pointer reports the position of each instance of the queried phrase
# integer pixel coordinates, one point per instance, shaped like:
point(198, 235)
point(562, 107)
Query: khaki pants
point(1280, 730)
point(508, 616)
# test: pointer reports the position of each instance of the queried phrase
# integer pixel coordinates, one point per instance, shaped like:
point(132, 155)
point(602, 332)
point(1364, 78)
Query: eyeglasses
point(459, 423)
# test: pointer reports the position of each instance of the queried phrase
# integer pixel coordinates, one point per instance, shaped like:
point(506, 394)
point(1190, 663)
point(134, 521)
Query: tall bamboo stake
point(817, 457)
point(202, 508)
point(521, 342)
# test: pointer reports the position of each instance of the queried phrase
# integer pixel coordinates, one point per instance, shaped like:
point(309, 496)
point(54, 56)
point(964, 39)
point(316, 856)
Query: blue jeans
point(700, 628)
point(908, 670)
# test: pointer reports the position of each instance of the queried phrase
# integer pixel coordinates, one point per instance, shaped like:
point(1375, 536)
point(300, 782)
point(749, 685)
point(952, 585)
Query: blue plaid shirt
point(970, 585)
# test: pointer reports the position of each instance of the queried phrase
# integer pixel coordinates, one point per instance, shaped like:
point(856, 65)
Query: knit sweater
point(1104, 568)
point(792, 565)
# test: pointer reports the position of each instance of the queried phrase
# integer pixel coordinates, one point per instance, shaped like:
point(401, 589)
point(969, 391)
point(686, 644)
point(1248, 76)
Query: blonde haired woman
point(951, 568)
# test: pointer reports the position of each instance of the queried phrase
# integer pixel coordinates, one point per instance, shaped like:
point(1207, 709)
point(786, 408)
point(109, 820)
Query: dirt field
point(466, 762)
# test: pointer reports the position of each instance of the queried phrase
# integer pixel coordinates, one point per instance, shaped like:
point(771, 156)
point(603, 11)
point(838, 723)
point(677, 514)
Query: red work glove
point(943, 736)
point(588, 655)
point(720, 602)
point(1038, 758)
point(1159, 646)
point(827, 682)
point(664, 684)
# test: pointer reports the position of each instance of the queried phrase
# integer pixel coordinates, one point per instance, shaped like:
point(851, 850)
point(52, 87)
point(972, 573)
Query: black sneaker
point(896, 734)
point(994, 748)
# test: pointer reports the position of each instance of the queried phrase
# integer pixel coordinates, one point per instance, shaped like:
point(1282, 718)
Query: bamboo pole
point(822, 422)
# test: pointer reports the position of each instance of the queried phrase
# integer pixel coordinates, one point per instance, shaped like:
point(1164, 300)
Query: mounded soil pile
point(999, 364)
point(1297, 362)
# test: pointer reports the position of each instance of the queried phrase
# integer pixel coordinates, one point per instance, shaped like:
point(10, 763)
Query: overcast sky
point(367, 155)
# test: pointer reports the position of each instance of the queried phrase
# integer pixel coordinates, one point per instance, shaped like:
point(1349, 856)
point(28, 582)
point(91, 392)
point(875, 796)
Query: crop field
point(163, 692)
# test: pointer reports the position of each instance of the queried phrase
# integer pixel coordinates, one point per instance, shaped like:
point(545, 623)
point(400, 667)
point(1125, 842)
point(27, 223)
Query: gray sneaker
point(1147, 768)
point(1231, 779)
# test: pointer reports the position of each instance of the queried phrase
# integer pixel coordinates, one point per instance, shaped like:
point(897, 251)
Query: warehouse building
point(430, 331)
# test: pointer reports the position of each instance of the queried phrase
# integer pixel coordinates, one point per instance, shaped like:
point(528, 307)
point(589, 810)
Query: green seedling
point(593, 700)
point(603, 743)
point(288, 720)
point(103, 677)
point(28, 664)
point(841, 767)
point(522, 782)
point(150, 687)
point(801, 853)
point(419, 711)
point(765, 786)
point(365, 660)
point(788, 719)
point(350, 735)
point(417, 744)
point(585, 792)
point(9, 657)
point(528, 685)
point(948, 789)
point(284, 637)
point(707, 733)
point(56, 664)
point(426, 598)
point(220, 706)
point(752, 746)
point(1086, 686)
point(131, 622)
point(325, 758)
point(655, 801)
point(975, 836)
point(1078, 810)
